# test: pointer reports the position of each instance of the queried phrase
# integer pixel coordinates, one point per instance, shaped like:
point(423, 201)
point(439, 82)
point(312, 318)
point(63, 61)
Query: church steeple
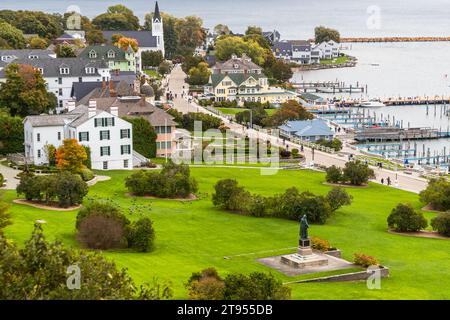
point(157, 15)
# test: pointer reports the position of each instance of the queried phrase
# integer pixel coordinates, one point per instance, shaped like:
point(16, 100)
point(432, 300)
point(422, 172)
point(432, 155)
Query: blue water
point(295, 19)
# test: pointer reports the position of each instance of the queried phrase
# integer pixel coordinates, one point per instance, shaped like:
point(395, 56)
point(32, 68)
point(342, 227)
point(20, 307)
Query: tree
point(11, 131)
point(125, 42)
point(206, 285)
point(404, 218)
point(191, 62)
point(71, 156)
point(326, 34)
point(40, 271)
point(50, 152)
point(152, 58)
point(437, 194)
point(12, 36)
point(199, 75)
point(170, 34)
point(117, 17)
point(229, 195)
point(65, 51)
point(24, 92)
point(164, 68)
point(144, 136)
point(95, 36)
point(338, 197)
point(253, 30)
point(289, 110)
point(226, 46)
point(222, 29)
point(70, 189)
point(334, 174)
point(190, 33)
point(357, 173)
point(441, 224)
point(280, 71)
point(38, 43)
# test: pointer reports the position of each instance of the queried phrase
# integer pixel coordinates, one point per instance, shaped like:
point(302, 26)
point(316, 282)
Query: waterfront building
point(108, 137)
point(272, 37)
point(298, 51)
point(307, 130)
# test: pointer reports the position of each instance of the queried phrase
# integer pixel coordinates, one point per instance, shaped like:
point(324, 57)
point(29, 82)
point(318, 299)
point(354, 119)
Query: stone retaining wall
point(353, 276)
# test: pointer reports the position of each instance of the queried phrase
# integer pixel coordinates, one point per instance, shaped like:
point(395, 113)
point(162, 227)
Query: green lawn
point(338, 60)
point(195, 235)
point(153, 73)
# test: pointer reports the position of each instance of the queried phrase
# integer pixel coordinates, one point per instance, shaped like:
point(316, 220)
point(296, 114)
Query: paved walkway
point(177, 85)
point(9, 174)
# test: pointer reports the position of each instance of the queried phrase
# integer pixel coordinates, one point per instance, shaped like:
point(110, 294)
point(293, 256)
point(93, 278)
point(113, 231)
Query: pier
point(328, 87)
point(398, 101)
point(398, 134)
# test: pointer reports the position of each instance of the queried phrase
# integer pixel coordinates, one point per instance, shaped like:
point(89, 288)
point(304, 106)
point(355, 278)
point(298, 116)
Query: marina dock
point(384, 134)
point(328, 87)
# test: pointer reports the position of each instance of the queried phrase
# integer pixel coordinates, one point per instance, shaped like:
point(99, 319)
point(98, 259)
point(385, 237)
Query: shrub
point(284, 154)
point(357, 173)
point(2, 180)
point(316, 208)
point(142, 235)
point(364, 260)
point(230, 196)
point(100, 208)
point(441, 224)
point(173, 181)
point(71, 189)
point(101, 232)
point(255, 286)
point(403, 218)
point(320, 244)
point(86, 174)
point(206, 285)
point(257, 206)
point(295, 153)
point(338, 197)
point(334, 174)
point(29, 187)
point(335, 144)
point(437, 194)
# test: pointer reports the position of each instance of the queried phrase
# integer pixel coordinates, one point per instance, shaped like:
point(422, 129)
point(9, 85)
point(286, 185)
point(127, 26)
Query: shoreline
point(309, 67)
point(394, 39)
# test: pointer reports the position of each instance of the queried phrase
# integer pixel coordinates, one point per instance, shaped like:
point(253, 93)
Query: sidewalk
point(404, 182)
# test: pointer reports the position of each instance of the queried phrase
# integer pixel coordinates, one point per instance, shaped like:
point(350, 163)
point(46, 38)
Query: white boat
point(372, 104)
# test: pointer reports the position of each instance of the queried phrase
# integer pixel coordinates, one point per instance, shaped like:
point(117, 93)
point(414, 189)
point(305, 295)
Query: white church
point(147, 40)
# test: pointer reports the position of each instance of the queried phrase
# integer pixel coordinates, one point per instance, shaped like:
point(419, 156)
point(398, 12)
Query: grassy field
point(195, 235)
point(153, 73)
point(338, 60)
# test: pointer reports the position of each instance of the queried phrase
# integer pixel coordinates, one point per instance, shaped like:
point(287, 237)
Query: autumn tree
point(253, 30)
point(226, 46)
point(326, 34)
point(289, 110)
point(38, 43)
point(199, 75)
point(11, 36)
point(125, 42)
point(71, 156)
point(24, 92)
point(95, 36)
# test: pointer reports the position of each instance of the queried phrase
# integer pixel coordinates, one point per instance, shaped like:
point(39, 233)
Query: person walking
point(389, 181)
point(382, 180)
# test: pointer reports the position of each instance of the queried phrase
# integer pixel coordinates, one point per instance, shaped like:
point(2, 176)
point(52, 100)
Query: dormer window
point(41, 70)
point(64, 70)
point(236, 66)
point(93, 54)
point(90, 70)
point(32, 57)
point(111, 54)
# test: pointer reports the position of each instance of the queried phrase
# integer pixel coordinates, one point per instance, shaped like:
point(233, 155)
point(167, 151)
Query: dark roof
point(307, 128)
point(102, 52)
point(77, 66)
point(136, 107)
point(25, 53)
point(157, 15)
point(127, 76)
point(243, 63)
point(65, 36)
point(82, 89)
point(237, 78)
point(119, 89)
point(144, 38)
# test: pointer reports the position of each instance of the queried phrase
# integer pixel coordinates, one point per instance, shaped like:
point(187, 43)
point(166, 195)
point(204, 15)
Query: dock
point(384, 134)
point(399, 101)
point(332, 87)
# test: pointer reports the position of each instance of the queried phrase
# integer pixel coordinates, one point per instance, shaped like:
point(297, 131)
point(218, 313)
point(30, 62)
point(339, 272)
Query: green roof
point(102, 52)
point(237, 78)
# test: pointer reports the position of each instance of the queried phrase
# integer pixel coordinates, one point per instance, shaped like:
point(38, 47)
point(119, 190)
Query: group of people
point(388, 181)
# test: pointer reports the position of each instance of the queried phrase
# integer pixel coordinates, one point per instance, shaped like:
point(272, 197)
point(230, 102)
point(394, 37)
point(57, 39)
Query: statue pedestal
point(304, 257)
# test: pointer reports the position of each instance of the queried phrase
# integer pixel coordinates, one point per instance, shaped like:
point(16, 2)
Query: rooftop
point(306, 128)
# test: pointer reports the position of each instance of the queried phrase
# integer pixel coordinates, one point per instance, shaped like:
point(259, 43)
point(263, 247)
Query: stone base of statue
point(304, 257)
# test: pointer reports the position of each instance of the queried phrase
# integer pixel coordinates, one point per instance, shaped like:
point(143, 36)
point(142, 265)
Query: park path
point(9, 174)
point(176, 85)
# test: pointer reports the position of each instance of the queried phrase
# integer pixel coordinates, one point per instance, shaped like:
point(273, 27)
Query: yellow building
point(243, 87)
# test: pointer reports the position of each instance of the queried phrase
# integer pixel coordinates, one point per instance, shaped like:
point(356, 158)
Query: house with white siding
point(109, 138)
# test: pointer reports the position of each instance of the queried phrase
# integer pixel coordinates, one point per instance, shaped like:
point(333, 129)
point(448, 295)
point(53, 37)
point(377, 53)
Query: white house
point(147, 40)
point(327, 50)
point(108, 136)
point(61, 73)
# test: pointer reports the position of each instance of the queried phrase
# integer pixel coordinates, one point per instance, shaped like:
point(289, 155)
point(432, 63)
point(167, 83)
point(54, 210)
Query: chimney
point(92, 108)
point(70, 105)
point(114, 111)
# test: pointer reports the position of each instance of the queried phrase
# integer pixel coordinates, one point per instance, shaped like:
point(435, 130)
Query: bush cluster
point(320, 244)
point(68, 189)
point(437, 194)
point(172, 182)
point(404, 218)
point(208, 285)
point(86, 174)
point(364, 260)
point(335, 144)
point(441, 223)
point(102, 225)
point(355, 173)
point(291, 204)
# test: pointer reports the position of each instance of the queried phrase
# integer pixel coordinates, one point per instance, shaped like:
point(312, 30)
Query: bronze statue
point(304, 228)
